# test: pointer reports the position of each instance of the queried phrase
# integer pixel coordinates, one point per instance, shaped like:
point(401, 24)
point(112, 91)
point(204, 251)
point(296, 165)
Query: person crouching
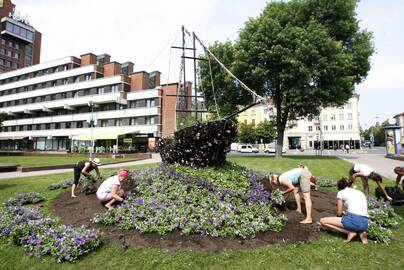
point(110, 190)
point(356, 219)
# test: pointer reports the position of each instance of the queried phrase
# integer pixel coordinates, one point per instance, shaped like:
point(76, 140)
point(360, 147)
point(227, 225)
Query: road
point(374, 158)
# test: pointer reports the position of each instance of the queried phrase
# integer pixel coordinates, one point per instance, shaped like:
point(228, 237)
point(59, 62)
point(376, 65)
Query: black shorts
point(375, 177)
point(77, 173)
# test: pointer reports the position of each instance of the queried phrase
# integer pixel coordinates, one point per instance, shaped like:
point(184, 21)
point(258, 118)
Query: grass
point(326, 253)
point(37, 161)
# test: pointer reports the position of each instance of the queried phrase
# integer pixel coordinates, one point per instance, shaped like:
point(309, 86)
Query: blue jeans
point(355, 223)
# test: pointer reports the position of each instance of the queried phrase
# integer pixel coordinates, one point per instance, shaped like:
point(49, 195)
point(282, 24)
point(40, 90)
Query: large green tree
point(304, 54)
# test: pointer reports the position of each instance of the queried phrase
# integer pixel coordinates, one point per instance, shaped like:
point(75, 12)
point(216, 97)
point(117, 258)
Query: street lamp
point(318, 123)
point(92, 122)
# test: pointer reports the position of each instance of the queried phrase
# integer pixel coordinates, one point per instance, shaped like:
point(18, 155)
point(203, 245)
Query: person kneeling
point(356, 219)
point(110, 190)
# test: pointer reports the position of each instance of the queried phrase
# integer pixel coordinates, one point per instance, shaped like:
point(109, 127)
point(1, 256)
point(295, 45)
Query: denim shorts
point(355, 223)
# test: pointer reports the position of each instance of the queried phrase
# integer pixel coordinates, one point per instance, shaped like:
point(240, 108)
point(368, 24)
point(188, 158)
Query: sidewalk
point(374, 158)
point(155, 159)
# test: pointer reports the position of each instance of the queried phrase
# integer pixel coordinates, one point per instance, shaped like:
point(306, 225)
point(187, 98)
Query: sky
point(144, 31)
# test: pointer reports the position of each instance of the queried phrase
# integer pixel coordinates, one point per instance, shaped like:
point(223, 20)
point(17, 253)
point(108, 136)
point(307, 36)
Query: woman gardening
point(293, 181)
point(355, 221)
point(110, 190)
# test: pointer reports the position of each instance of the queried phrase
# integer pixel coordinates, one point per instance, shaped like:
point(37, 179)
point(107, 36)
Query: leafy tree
point(246, 133)
point(265, 132)
point(304, 54)
point(378, 133)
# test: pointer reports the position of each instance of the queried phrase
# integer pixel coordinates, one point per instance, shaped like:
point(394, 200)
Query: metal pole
point(196, 100)
point(92, 126)
point(183, 62)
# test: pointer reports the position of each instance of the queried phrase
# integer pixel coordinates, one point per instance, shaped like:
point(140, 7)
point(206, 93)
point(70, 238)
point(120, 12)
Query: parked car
point(271, 148)
point(367, 144)
point(247, 149)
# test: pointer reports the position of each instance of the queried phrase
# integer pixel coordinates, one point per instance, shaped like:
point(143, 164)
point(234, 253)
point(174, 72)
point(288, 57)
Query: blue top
point(291, 176)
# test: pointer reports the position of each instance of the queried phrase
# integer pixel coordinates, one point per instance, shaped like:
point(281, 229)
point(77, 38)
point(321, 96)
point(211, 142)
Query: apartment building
point(51, 106)
point(20, 43)
point(335, 127)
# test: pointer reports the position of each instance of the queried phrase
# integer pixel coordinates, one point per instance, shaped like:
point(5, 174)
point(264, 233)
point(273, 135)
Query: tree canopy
point(304, 54)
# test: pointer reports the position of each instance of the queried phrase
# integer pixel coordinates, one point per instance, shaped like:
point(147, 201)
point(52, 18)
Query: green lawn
point(37, 161)
point(326, 253)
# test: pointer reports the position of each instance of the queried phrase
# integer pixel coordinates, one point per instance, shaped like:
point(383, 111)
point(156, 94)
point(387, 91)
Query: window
point(9, 53)
point(68, 125)
point(2, 51)
point(88, 77)
point(341, 116)
point(150, 120)
point(100, 90)
point(57, 125)
point(332, 116)
point(63, 95)
point(150, 103)
point(79, 124)
point(318, 128)
point(114, 88)
point(334, 127)
point(349, 116)
point(310, 128)
point(341, 127)
point(65, 81)
point(16, 55)
point(65, 67)
point(47, 126)
point(350, 126)
point(17, 46)
point(349, 105)
point(77, 79)
point(325, 128)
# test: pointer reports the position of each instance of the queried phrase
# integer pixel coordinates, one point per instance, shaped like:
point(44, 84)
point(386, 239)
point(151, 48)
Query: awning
point(101, 135)
point(12, 138)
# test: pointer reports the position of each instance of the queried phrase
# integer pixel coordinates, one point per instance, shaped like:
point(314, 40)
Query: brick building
point(20, 43)
point(50, 106)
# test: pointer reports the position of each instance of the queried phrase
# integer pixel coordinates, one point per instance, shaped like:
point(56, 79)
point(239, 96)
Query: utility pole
point(195, 87)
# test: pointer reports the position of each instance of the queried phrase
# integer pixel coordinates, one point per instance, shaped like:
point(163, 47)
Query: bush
point(167, 199)
point(200, 145)
point(382, 219)
point(24, 198)
point(41, 235)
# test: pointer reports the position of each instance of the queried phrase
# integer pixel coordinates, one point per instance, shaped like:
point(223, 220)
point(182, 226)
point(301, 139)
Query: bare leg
point(297, 199)
point(73, 188)
point(365, 186)
point(364, 237)
point(109, 204)
point(381, 186)
point(308, 203)
point(333, 223)
point(351, 235)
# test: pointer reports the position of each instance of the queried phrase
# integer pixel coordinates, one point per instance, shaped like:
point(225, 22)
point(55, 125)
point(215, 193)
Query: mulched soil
point(78, 211)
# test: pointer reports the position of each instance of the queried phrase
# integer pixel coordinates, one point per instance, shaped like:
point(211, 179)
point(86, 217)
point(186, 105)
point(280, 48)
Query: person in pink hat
point(110, 190)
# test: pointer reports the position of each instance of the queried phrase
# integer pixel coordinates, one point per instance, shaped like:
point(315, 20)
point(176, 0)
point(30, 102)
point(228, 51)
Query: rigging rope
point(213, 88)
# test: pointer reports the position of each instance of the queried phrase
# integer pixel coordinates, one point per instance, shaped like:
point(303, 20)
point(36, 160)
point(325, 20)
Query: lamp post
point(318, 123)
point(91, 122)
point(371, 135)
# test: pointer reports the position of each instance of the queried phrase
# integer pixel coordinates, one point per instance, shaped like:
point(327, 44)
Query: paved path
point(155, 159)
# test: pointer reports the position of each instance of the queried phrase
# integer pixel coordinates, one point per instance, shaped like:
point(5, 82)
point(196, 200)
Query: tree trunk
point(281, 119)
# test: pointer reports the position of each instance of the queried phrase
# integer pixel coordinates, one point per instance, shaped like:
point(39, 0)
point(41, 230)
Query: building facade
point(400, 122)
point(335, 127)
point(20, 43)
point(51, 106)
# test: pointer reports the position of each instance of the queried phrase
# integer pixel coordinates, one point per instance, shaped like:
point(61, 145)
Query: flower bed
point(41, 235)
point(24, 198)
point(382, 219)
point(168, 198)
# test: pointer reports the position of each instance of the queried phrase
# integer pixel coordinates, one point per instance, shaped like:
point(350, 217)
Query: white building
point(50, 104)
point(336, 127)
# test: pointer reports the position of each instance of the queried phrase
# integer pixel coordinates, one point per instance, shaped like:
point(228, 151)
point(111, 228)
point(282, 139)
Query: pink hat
point(123, 173)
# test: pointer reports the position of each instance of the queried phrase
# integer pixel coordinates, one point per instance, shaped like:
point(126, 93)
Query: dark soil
point(78, 211)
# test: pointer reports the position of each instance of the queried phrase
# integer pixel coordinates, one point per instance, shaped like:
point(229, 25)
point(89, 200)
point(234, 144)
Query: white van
point(246, 148)
point(271, 148)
